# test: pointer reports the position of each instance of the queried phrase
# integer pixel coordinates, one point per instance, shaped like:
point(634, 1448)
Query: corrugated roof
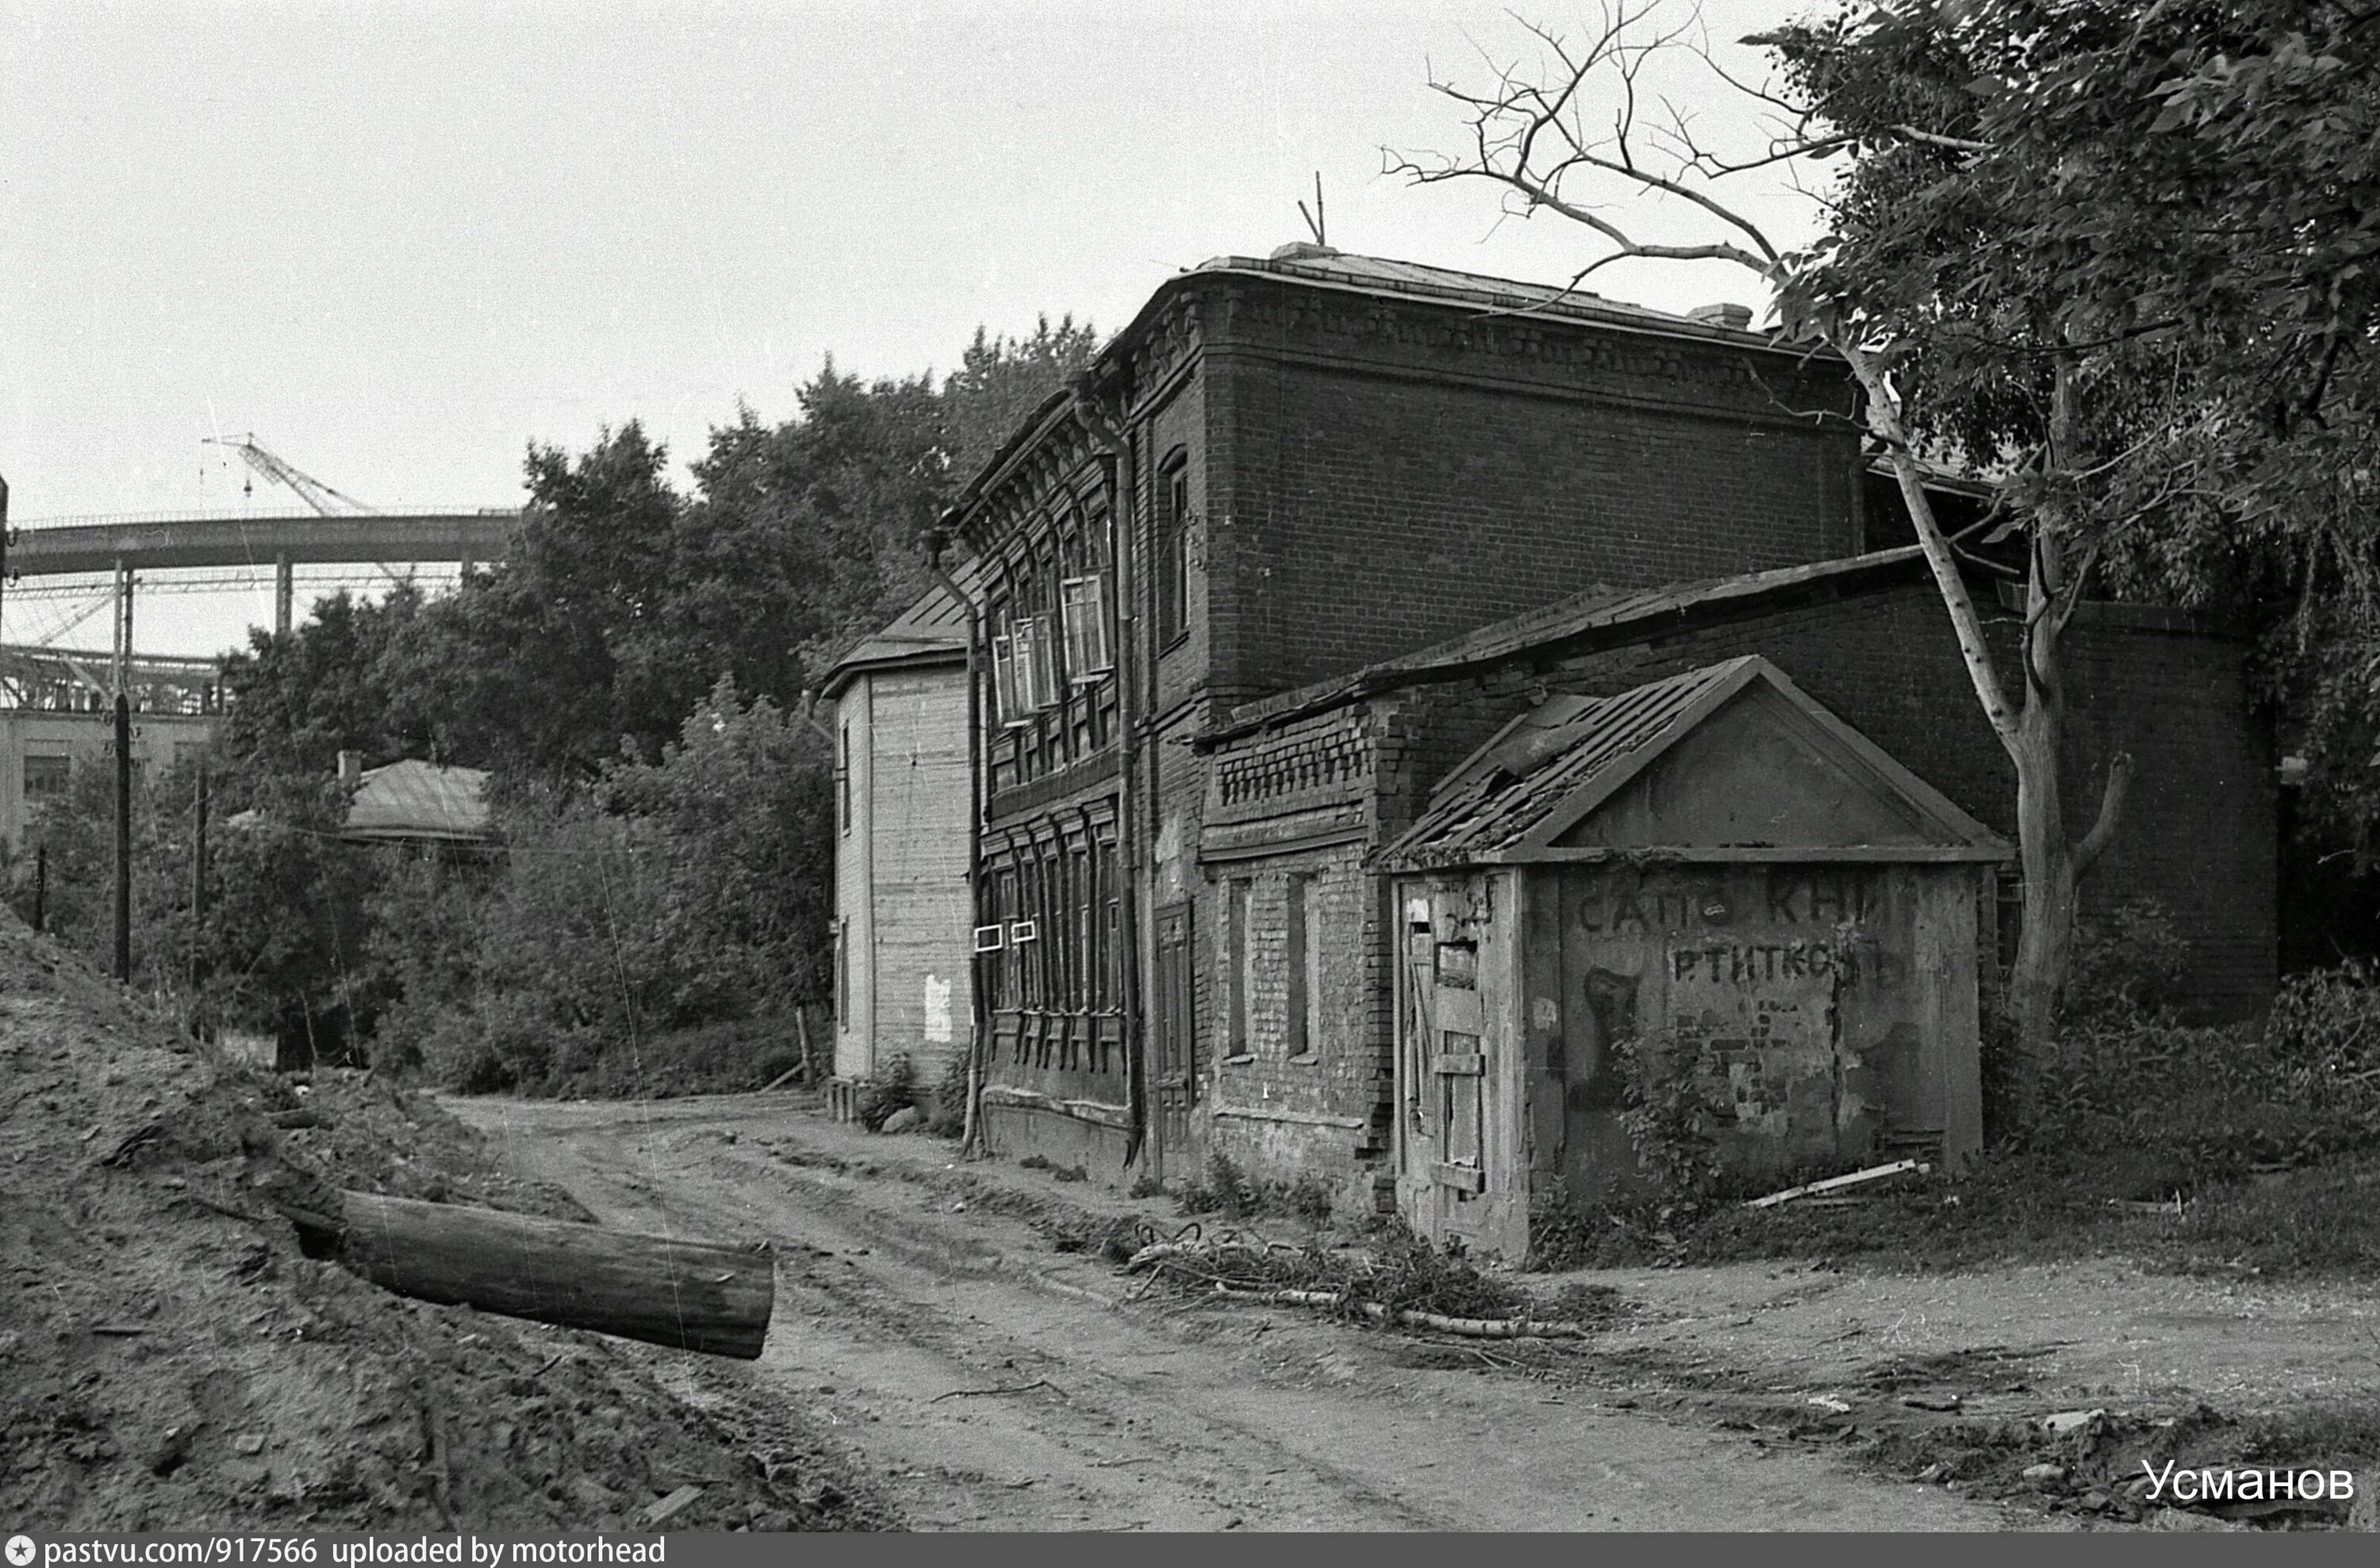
point(1553, 768)
point(1595, 610)
point(1561, 747)
point(931, 631)
point(415, 800)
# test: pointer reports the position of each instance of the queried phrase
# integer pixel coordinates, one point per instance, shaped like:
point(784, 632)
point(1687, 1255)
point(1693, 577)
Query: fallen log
point(688, 1294)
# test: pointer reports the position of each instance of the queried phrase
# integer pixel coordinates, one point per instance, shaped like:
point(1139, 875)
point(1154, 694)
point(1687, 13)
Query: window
point(842, 779)
point(46, 779)
point(1084, 602)
point(1299, 955)
point(1238, 952)
point(1008, 705)
point(842, 974)
point(1174, 551)
point(1032, 661)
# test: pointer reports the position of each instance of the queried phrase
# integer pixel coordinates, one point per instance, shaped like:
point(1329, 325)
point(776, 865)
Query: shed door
point(1445, 1063)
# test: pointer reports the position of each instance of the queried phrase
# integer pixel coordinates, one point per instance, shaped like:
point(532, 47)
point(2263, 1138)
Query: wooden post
point(123, 838)
point(40, 887)
point(802, 1028)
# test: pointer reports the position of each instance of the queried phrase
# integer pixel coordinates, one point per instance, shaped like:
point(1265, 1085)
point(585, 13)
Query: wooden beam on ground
point(689, 1295)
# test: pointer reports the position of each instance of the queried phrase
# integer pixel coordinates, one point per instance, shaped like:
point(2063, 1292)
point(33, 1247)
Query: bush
point(2127, 963)
point(1670, 1122)
point(892, 1088)
point(950, 1099)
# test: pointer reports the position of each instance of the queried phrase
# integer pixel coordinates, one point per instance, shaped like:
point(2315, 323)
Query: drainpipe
point(979, 1013)
point(1117, 442)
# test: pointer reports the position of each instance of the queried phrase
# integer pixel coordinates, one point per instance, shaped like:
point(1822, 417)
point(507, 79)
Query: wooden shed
point(1711, 865)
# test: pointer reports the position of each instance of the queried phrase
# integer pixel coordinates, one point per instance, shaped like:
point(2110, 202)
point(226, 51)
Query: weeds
point(1229, 1191)
point(1403, 1273)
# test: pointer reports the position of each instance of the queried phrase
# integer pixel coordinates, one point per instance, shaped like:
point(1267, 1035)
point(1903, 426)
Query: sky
point(399, 243)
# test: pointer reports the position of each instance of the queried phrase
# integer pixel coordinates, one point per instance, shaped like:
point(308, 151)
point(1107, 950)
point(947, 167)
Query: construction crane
point(313, 491)
point(316, 494)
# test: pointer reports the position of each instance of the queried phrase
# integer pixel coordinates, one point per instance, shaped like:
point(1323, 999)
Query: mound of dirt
point(169, 1360)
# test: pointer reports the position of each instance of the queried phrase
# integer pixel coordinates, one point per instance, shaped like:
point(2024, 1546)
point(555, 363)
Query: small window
point(1087, 628)
point(842, 779)
point(46, 779)
point(842, 974)
point(1173, 552)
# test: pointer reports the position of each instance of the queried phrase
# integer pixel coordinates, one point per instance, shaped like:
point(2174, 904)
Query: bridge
point(54, 701)
point(129, 545)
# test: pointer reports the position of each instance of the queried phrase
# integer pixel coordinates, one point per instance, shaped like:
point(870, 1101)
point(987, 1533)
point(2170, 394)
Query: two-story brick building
point(1282, 471)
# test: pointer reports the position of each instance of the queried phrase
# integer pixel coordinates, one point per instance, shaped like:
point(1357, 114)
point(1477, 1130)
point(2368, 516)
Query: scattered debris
point(2070, 1420)
point(671, 1506)
point(1873, 1172)
point(1828, 1402)
point(1003, 1388)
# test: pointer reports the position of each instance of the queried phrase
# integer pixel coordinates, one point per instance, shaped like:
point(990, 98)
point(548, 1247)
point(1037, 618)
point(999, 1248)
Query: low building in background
point(904, 794)
point(412, 801)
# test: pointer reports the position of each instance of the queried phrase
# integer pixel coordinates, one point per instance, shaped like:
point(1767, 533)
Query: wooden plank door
point(1445, 1066)
point(1173, 1086)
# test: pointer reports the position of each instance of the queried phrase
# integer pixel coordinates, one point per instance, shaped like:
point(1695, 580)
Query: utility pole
point(198, 875)
point(123, 838)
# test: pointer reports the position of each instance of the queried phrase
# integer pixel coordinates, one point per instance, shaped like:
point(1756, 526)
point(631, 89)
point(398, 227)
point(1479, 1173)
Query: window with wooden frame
point(1173, 548)
point(1084, 603)
point(1032, 673)
point(1008, 709)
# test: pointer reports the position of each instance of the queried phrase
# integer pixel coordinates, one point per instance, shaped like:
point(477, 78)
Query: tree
point(1928, 287)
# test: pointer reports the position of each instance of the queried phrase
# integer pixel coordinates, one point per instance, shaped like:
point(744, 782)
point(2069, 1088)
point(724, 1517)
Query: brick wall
point(1369, 496)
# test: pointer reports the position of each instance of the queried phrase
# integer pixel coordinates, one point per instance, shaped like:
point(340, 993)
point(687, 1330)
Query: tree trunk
point(666, 1290)
point(2046, 937)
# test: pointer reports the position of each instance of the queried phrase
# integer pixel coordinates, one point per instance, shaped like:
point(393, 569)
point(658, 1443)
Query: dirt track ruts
point(895, 1315)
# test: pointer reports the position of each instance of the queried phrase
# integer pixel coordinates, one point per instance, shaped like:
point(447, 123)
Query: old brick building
point(1306, 786)
point(1283, 471)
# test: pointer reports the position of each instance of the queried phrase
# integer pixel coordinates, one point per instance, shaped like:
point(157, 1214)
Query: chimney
point(1735, 317)
point(351, 769)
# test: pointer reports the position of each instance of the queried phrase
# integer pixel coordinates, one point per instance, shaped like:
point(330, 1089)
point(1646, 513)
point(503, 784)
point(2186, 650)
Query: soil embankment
point(170, 1360)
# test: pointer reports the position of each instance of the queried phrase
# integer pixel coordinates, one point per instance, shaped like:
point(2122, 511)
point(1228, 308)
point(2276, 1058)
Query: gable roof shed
point(1730, 761)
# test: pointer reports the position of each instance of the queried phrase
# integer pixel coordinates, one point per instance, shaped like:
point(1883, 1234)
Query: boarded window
point(1177, 1053)
point(1239, 949)
point(1460, 1068)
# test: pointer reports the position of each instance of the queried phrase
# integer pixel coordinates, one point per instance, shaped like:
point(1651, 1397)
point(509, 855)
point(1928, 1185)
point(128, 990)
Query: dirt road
point(995, 1385)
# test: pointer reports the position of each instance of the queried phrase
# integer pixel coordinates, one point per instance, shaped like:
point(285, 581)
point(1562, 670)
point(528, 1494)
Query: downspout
point(1105, 432)
point(979, 1013)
